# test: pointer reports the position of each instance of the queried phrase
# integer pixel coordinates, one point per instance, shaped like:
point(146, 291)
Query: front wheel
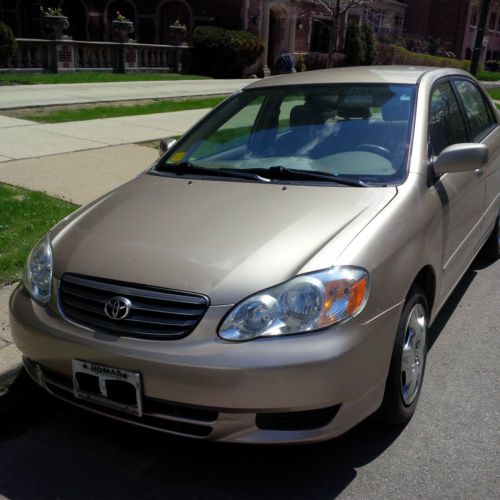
point(406, 373)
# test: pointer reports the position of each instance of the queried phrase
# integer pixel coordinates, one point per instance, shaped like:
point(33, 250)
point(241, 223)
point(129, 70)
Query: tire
point(406, 372)
point(491, 248)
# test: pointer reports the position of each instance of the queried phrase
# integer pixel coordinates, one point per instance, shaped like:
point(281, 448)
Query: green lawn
point(90, 77)
point(113, 111)
point(494, 93)
point(488, 76)
point(25, 216)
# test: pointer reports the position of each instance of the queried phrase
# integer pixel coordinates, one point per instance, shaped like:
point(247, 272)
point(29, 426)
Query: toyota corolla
point(272, 277)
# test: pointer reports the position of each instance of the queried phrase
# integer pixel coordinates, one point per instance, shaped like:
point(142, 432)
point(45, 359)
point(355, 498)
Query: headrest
point(348, 112)
point(306, 115)
point(300, 115)
point(396, 110)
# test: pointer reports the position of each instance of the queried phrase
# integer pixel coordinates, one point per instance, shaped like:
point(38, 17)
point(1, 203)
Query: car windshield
point(347, 133)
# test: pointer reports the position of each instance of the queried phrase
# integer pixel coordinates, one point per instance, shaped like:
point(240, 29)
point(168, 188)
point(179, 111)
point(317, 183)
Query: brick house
point(297, 26)
point(455, 23)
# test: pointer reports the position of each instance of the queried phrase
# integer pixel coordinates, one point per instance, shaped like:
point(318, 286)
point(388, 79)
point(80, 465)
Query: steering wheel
point(374, 148)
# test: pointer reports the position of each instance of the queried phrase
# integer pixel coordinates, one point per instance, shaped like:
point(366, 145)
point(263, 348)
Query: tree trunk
point(334, 34)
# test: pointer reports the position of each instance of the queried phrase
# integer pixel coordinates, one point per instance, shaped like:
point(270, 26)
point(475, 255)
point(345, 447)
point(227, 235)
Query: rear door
point(484, 129)
point(461, 193)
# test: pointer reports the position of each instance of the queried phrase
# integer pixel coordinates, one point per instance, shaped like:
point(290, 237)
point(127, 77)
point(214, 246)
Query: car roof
point(356, 74)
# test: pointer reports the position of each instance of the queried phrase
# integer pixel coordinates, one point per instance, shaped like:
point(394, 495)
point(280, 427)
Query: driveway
point(449, 449)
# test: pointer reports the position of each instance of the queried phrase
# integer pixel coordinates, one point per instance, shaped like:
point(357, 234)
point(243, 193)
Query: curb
point(11, 363)
point(10, 356)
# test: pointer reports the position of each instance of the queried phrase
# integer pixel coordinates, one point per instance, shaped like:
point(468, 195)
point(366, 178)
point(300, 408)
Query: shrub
point(354, 47)
point(370, 45)
point(223, 53)
point(492, 65)
point(392, 54)
point(8, 44)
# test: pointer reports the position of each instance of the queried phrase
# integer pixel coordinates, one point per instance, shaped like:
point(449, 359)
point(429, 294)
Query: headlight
point(304, 304)
point(38, 274)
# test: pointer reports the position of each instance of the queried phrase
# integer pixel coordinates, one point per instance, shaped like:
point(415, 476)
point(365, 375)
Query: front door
point(461, 193)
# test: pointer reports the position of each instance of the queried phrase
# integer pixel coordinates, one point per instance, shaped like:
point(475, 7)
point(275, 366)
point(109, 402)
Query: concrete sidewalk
point(27, 96)
point(82, 176)
point(21, 139)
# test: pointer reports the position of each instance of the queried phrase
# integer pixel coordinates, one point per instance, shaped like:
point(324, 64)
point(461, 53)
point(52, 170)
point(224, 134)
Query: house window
point(398, 23)
point(320, 35)
point(375, 18)
point(473, 18)
point(493, 21)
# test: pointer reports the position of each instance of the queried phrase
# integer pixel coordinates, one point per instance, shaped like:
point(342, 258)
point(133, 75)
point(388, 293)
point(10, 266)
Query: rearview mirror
point(165, 145)
point(460, 158)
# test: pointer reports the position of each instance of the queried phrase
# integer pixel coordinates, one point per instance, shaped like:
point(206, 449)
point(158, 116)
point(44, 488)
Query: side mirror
point(165, 145)
point(460, 158)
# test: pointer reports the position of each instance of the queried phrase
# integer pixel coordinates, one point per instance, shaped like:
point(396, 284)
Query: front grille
point(155, 313)
point(161, 415)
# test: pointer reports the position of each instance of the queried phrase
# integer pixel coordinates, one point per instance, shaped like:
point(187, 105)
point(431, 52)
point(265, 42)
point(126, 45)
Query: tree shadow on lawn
point(51, 450)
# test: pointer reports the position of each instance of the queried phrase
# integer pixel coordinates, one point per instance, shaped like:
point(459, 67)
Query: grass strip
point(494, 93)
point(114, 111)
point(488, 76)
point(90, 77)
point(25, 216)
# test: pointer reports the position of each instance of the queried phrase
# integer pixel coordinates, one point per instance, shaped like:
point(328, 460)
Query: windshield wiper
point(283, 173)
point(186, 167)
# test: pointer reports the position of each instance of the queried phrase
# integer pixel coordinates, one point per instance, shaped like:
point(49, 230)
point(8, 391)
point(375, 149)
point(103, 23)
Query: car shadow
point(454, 299)
point(51, 450)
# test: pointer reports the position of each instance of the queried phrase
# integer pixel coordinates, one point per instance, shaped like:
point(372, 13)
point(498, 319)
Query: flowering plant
point(178, 24)
point(120, 17)
point(51, 11)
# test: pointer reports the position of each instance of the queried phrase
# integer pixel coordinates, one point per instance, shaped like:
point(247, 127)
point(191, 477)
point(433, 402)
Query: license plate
point(111, 387)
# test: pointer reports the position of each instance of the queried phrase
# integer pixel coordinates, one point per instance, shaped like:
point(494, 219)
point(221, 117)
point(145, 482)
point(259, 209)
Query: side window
point(446, 124)
point(475, 107)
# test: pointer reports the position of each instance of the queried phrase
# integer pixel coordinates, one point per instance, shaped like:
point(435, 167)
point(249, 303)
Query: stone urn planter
point(122, 30)
point(177, 34)
point(53, 27)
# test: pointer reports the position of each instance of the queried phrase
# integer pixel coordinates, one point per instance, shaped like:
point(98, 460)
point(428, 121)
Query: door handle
point(479, 173)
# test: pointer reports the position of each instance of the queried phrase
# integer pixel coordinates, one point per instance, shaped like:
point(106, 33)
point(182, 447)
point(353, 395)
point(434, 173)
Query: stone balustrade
point(73, 55)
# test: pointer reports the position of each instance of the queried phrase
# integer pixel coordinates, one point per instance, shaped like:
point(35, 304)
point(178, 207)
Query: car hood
point(224, 239)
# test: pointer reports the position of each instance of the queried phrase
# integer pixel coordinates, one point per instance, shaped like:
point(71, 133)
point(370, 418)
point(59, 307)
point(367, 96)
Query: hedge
point(8, 44)
point(224, 53)
point(393, 54)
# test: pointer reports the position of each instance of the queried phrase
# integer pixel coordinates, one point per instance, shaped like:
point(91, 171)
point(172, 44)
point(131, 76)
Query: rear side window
point(446, 124)
point(475, 108)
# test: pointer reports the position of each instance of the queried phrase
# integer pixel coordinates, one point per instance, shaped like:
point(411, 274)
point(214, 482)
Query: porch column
point(292, 26)
point(264, 33)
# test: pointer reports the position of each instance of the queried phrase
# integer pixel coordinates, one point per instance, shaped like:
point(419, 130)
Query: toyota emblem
point(117, 308)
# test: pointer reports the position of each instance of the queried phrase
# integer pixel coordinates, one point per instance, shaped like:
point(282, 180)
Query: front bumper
point(224, 387)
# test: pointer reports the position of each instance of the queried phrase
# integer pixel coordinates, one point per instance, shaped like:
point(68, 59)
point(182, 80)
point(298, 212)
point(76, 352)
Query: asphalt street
point(449, 449)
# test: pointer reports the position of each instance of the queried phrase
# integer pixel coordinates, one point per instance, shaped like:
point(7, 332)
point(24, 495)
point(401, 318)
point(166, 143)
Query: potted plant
point(178, 32)
point(54, 23)
point(122, 28)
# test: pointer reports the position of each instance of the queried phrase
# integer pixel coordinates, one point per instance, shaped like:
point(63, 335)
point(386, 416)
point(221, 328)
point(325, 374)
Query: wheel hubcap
point(412, 359)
